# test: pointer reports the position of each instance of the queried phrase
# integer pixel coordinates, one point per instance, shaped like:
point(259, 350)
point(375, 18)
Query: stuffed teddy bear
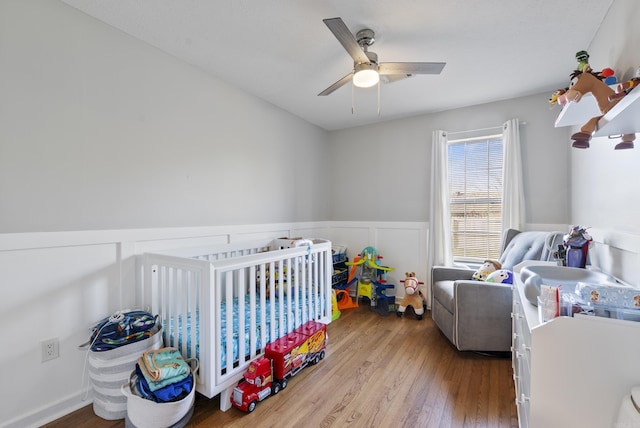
point(412, 296)
point(487, 267)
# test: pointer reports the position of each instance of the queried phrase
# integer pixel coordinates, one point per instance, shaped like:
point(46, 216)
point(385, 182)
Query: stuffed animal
point(553, 99)
point(583, 82)
point(412, 296)
point(609, 76)
point(583, 59)
point(625, 87)
point(501, 276)
point(487, 267)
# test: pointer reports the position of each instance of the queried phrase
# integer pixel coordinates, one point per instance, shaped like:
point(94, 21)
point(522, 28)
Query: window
point(475, 186)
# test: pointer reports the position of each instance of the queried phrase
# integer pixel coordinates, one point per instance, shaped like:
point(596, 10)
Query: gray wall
point(100, 131)
point(606, 193)
point(382, 172)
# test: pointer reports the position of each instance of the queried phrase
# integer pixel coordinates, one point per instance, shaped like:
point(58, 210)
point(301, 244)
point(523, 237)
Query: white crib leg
point(225, 399)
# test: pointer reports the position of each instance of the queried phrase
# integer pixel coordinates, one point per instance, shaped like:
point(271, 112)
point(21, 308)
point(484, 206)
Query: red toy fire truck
point(282, 359)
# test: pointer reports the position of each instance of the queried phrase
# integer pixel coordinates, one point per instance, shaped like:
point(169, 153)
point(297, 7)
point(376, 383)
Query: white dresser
point(571, 372)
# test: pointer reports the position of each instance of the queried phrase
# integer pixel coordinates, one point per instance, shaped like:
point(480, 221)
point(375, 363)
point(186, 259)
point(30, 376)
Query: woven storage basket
point(143, 413)
point(108, 370)
point(180, 424)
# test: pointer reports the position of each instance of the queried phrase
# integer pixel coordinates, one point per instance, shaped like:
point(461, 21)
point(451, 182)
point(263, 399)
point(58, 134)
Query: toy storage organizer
point(222, 305)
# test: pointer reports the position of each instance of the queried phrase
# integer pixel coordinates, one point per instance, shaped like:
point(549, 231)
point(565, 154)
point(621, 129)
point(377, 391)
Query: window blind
point(475, 184)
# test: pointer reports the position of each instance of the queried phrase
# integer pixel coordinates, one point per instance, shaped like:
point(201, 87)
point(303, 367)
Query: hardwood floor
point(380, 371)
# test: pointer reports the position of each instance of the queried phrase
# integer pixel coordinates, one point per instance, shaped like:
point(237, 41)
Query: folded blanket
point(162, 367)
point(172, 392)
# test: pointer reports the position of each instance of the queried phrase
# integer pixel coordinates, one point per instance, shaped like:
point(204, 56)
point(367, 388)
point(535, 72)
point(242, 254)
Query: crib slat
point(193, 311)
point(263, 304)
point(279, 297)
point(228, 288)
point(289, 287)
point(208, 312)
point(303, 286)
point(217, 326)
point(185, 291)
point(299, 306)
point(253, 345)
point(166, 300)
point(314, 288)
point(173, 303)
point(272, 301)
point(239, 290)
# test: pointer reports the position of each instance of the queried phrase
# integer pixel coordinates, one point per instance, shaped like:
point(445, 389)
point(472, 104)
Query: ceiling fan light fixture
point(367, 69)
point(366, 75)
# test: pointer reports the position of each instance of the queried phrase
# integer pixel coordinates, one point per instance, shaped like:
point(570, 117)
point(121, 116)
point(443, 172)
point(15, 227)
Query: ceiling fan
point(366, 69)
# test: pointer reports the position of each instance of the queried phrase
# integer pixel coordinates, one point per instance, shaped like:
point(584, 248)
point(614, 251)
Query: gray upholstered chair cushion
point(524, 246)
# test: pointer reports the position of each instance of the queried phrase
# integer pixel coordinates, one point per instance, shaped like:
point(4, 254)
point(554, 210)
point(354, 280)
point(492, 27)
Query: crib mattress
point(173, 326)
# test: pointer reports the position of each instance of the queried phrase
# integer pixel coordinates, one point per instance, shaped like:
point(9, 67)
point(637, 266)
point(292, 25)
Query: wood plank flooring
point(380, 371)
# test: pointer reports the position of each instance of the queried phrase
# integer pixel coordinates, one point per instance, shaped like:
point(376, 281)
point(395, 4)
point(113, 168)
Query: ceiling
point(282, 52)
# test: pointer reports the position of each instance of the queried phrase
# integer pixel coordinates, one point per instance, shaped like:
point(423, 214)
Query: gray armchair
point(476, 315)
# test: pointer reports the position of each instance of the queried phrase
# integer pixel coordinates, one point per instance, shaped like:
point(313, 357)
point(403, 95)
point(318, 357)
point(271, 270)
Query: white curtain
point(513, 208)
point(440, 252)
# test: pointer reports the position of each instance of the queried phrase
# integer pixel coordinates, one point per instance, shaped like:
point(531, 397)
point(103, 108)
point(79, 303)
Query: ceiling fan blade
point(340, 83)
point(411, 67)
point(390, 78)
point(346, 38)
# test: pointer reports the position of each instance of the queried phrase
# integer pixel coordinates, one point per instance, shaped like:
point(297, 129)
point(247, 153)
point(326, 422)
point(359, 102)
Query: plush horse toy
point(583, 82)
point(412, 296)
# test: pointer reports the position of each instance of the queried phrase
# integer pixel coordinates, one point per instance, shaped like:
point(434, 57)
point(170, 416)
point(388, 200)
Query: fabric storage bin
point(143, 413)
point(108, 370)
point(338, 254)
point(180, 424)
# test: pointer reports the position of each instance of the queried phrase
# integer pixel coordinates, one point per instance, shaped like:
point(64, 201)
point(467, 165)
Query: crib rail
point(226, 308)
point(222, 251)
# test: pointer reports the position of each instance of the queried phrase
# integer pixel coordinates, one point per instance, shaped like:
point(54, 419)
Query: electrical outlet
point(50, 349)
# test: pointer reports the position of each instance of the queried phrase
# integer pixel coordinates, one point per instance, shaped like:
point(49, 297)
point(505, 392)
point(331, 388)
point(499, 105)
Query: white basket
point(109, 369)
point(143, 413)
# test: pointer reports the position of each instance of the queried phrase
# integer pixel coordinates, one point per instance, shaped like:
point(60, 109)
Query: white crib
point(264, 289)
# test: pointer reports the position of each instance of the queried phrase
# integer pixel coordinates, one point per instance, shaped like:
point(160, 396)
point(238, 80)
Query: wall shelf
point(577, 113)
point(623, 118)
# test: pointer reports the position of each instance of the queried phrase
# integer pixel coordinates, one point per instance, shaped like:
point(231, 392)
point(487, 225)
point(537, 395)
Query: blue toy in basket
point(501, 276)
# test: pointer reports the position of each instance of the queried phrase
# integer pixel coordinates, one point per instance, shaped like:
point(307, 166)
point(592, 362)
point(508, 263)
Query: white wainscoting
point(59, 284)
point(403, 246)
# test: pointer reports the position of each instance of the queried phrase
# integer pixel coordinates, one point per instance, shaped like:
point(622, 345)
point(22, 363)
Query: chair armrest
point(488, 290)
point(445, 273)
point(483, 315)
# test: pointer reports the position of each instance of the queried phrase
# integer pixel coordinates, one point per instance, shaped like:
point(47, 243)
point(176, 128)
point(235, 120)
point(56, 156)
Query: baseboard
point(50, 413)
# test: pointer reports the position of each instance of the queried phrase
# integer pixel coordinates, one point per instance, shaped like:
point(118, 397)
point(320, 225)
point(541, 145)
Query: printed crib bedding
point(171, 328)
